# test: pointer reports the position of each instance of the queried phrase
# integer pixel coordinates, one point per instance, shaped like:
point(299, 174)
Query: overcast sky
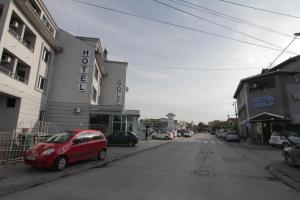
point(192, 95)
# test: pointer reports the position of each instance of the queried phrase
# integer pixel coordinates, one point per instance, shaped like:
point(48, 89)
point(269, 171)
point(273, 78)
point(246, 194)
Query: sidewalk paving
point(272, 160)
point(18, 176)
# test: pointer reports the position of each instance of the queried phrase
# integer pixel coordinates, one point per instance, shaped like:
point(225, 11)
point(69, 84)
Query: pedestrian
point(146, 133)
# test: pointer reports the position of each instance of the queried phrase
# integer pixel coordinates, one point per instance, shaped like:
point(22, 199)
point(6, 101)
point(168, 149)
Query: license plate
point(31, 158)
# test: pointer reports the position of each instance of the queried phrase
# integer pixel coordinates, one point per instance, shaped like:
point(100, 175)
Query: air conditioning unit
point(77, 110)
point(15, 24)
point(6, 59)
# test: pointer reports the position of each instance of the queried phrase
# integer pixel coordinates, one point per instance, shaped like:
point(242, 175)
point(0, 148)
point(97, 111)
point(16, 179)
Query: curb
point(285, 179)
point(6, 190)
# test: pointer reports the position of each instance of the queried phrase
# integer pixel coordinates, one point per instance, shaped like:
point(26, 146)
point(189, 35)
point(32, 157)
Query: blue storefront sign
point(266, 101)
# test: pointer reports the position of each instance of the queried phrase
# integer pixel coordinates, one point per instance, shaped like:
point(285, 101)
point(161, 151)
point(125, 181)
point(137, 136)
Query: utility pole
point(236, 115)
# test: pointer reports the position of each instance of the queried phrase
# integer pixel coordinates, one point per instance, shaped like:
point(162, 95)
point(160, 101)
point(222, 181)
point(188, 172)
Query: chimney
point(105, 54)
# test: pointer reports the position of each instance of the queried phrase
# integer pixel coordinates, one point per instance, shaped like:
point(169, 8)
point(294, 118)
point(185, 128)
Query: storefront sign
point(260, 102)
point(119, 92)
point(84, 70)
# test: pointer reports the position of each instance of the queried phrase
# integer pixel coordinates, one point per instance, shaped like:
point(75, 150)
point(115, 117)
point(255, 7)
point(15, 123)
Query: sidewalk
point(16, 177)
point(272, 160)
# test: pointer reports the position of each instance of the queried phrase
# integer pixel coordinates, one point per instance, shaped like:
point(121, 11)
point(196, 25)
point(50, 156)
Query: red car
point(67, 147)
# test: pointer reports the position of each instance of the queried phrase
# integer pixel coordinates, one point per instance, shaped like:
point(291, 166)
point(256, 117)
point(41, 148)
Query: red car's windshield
point(61, 138)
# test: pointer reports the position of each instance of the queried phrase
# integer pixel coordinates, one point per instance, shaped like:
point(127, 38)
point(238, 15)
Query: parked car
point(187, 134)
point(122, 138)
point(167, 135)
point(67, 147)
point(180, 133)
point(284, 138)
point(292, 155)
point(232, 136)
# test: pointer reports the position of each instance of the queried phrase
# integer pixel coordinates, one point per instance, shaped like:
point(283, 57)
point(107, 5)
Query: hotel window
point(94, 95)
point(42, 83)
point(46, 55)
point(96, 72)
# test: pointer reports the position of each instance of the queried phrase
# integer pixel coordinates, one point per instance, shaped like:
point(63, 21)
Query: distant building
point(154, 124)
point(270, 101)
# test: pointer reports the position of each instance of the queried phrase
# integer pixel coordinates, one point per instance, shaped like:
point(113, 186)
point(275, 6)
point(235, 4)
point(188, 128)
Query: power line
point(283, 50)
point(260, 9)
point(229, 17)
point(215, 23)
point(208, 68)
point(174, 25)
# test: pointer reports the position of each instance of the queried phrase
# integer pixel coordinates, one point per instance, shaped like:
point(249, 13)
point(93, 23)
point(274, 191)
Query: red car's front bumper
point(39, 161)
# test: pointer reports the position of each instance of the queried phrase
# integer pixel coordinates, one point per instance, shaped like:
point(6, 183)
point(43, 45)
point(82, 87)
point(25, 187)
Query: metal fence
point(13, 149)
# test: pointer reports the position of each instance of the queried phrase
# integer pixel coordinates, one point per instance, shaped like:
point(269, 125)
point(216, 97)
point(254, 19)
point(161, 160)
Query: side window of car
point(83, 137)
point(97, 136)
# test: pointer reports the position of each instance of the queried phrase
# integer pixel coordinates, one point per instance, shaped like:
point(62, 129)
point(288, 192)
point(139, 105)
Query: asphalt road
point(202, 167)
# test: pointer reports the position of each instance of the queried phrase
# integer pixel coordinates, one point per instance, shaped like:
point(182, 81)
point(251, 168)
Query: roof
point(283, 64)
point(265, 116)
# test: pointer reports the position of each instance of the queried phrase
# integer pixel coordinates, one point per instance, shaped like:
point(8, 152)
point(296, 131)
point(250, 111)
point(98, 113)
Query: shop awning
point(265, 116)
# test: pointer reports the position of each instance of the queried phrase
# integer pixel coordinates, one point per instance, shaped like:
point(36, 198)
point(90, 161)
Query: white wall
point(32, 100)
point(116, 73)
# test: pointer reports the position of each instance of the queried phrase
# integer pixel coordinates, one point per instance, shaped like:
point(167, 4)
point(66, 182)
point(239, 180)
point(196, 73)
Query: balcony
point(35, 7)
point(31, 10)
point(12, 75)
point(13, 67)
point(21, 32)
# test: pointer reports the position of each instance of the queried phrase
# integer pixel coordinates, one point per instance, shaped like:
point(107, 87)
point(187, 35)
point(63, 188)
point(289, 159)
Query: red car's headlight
point(48, 152)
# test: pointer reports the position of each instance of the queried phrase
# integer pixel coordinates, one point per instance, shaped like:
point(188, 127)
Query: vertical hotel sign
point(84, 70)
point(119, 92)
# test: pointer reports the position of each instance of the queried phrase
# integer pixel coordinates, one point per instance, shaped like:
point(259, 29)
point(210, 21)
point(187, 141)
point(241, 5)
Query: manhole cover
point(1, 178)
point(204, 173)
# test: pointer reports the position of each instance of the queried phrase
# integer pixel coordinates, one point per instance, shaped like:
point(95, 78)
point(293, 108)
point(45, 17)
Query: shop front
point(110, 122)
point(264, 124)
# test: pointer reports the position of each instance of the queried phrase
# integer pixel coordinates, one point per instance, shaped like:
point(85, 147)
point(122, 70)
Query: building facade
point(49, 76)
point(270, 101)
point(27, 47)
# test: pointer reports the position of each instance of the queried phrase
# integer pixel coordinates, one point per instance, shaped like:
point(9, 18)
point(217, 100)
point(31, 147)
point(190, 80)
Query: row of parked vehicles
point(169, 135)
point(72, 146)
point(290, 142)
point(228, 135)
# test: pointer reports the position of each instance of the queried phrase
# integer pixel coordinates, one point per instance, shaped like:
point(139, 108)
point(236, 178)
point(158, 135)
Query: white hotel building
point(48, 75)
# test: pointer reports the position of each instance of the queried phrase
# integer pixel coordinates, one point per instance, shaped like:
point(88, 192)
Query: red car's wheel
point(60, 163)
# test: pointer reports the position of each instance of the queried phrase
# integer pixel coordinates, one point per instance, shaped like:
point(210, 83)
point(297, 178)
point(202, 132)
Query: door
point(80, 147)
point(97, 143)
point(123, 138)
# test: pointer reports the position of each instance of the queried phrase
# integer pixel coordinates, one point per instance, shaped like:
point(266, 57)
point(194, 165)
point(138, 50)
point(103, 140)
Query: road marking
point(213, 142)
point(205, 141)
point(220, 142)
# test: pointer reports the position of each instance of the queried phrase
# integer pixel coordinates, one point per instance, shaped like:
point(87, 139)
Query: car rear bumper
point(275, 142)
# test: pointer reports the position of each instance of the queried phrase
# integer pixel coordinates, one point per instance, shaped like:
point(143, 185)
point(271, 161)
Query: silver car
point(284, 138)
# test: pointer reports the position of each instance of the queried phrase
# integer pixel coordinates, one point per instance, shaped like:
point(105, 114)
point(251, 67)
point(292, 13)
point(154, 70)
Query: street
point(201, 167)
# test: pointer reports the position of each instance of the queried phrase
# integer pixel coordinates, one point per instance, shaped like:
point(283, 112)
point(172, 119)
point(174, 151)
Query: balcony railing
point(12, 75)
point(13, 33)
